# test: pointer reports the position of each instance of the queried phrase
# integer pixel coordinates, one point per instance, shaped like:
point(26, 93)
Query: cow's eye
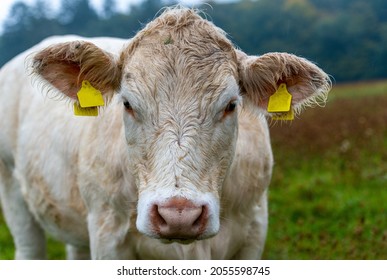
point(128, 107)
point(230, 107)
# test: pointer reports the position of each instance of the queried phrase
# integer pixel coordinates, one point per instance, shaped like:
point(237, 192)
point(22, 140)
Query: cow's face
point(180, 82)
point(180, 113)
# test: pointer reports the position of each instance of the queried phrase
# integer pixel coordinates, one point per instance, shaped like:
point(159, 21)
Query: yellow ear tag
point(280, 101)
point(89, 100)
point(89, 112)
point(89, 96)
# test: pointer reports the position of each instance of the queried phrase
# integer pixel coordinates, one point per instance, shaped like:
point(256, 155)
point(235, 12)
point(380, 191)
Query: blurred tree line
point(348, 38)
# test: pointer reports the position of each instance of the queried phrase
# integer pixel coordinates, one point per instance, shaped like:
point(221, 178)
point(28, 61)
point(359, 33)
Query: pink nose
point(179, 218)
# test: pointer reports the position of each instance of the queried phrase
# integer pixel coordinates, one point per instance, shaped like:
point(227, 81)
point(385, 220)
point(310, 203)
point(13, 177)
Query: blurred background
point(328, 197)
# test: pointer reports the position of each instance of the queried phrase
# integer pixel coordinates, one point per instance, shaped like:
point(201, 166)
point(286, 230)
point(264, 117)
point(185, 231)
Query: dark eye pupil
point(127, 105)
point(231, 107)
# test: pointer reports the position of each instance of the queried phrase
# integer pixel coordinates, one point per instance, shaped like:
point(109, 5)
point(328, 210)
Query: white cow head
point(181, 83)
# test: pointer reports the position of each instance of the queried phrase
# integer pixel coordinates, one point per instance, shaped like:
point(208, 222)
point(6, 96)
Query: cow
point(178, 161)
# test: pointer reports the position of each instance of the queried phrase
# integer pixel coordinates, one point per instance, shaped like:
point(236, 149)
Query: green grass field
point(328, 196)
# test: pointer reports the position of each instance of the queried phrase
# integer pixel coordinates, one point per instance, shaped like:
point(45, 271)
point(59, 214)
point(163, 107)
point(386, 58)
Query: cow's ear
point(66, 65)
point(261, 76)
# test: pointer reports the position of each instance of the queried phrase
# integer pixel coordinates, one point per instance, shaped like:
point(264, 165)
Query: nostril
point(201, 221)
point(156, 218)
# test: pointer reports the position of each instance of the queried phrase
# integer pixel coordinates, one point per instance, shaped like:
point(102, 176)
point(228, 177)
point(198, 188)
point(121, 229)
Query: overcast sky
point(122, 5)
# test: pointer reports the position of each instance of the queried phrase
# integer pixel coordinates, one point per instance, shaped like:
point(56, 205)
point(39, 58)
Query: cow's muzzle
point(179, 219)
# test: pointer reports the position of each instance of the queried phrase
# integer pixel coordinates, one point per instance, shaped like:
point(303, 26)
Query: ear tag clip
point(89, 100)
point(280, 102)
